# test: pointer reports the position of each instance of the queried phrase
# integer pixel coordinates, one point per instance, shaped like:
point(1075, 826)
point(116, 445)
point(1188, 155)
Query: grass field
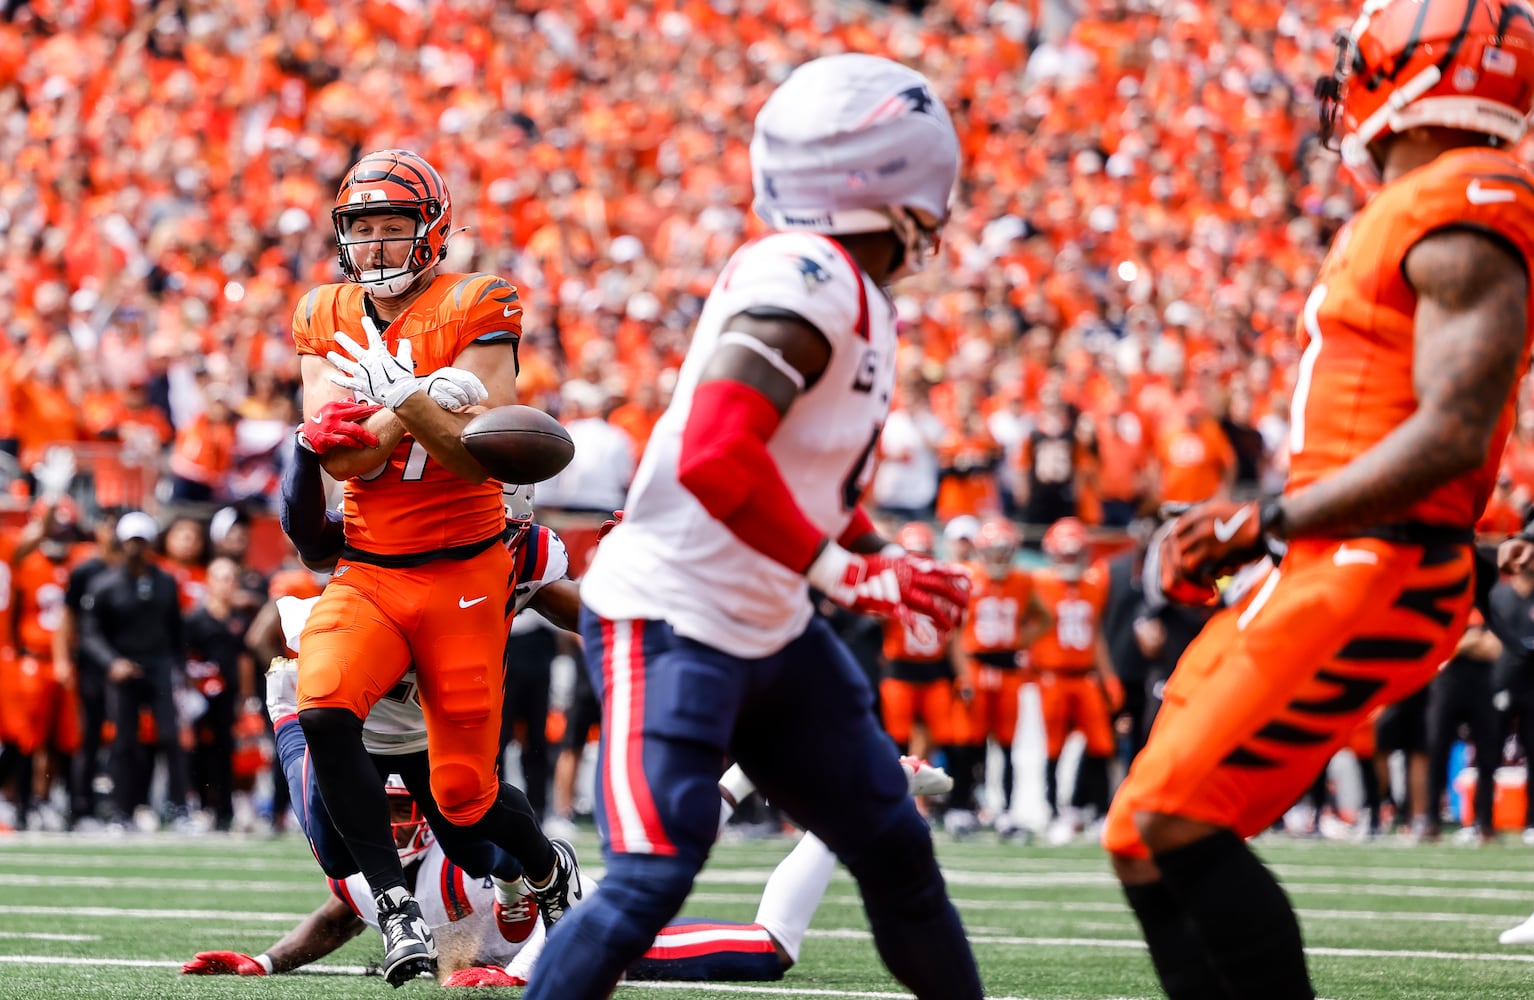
point(86, 918)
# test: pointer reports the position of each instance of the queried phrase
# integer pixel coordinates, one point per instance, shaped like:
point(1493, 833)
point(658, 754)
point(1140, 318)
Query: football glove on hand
point(482, 975)
point(222, 963)
point(607, 526)
point(1188, 554)
point(1515, 555)
point(455, 388)
point(338, 424)
point(385, 378)
point(902, 587)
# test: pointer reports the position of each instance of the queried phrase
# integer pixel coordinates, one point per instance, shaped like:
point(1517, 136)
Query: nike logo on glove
point(464, 602)
point(1224, 531)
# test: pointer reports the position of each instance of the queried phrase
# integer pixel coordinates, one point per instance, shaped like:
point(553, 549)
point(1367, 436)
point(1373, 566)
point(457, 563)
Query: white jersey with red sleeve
point(456, 906)
point(395, 724)
point(671, 560)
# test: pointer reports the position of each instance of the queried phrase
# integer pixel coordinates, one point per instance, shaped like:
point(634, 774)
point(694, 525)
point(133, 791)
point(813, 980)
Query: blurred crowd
point(1110, 323)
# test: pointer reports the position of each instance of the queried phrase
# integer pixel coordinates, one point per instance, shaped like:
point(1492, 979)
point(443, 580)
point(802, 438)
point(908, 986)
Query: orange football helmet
point(917, 538)
point(393, 182)
point(1459, 64)
point(1068, 548)
point(996, 543)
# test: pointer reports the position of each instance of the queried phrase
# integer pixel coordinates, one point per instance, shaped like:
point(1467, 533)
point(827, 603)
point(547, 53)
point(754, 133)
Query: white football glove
point(455, 388)
point(372, 371)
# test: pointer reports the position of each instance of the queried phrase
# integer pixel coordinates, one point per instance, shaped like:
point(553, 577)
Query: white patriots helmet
point(518, 501)
point(856, 143)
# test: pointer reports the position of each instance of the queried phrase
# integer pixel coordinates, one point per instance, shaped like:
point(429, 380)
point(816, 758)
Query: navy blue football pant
point(476, 856)
point(801, 724)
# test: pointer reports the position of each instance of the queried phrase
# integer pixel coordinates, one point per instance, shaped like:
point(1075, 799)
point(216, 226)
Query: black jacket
point(135, 618)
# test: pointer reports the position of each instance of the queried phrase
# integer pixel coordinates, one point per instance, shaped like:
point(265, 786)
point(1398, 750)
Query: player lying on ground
point(394, 732)
point(473, 952)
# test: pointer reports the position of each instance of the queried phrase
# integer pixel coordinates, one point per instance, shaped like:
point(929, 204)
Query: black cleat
point(409, 951)
point(564, 888)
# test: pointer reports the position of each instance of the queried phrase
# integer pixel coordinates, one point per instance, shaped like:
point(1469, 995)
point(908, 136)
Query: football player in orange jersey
point(1077, 687)
point(1415, 333)
point(918, 684)
point(40, 713)
point(1004, 618)
point(423, 577)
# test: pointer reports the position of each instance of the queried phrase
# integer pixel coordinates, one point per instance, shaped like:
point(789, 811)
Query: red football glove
point(339, 425)
point(609, 524)
point(892, 586)
point(482, 975)
point(222, 963)
point(1188, 554)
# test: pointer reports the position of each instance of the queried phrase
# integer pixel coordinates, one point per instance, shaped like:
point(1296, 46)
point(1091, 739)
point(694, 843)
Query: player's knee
point(462, 792)
point(646, 889)
point(896, 868)
point(1131, 870)
point(1165, 832)
point(324, 726)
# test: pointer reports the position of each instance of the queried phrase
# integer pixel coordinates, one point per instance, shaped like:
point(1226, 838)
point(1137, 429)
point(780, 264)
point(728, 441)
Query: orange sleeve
point(312, 333)
point(1480, 189)
point(494, 313)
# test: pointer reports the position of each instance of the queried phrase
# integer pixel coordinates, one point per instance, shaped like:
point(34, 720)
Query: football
point(518, 444)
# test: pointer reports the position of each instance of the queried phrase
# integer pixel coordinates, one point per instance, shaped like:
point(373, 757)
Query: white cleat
point(960, 822)
point(924, 779)
point(1522, 934)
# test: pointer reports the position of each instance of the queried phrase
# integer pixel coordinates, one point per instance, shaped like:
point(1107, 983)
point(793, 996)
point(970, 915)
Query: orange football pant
point(449, 619)
point(36, 711)
point(904, 702)
point(1075, 702)
point(1275, 685)
point(993, 710)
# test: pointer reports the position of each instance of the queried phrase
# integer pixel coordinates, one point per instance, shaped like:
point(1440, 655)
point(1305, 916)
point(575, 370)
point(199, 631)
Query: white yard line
point(36, 936)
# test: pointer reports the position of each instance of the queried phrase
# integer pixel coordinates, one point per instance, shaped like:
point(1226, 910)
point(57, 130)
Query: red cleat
point(516, 911)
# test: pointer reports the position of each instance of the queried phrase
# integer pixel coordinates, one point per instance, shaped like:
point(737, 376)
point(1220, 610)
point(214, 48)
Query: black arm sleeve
point(313, 530)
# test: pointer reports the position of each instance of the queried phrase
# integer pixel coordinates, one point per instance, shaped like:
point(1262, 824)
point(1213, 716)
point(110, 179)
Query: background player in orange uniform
point(1415, 333)
point(1003, 620)
point(39, 711)
point(423, 577)
point(1077, 686)
point(918, 683)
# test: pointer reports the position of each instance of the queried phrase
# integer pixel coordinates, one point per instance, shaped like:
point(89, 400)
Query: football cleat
point(409, 951)
point(564, 888)
point(960, 822)
point(1522, 934)
point(924, 779)
point(520, 969)
point(516, 910)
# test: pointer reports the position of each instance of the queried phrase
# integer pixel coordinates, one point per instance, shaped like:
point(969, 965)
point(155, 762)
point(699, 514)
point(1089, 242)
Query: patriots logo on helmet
point(919, 98)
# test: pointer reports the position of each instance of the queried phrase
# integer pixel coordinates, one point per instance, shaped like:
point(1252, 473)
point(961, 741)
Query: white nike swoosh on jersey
point(511, 310)
point(1224, 531)
point(1345, 556)
point(464, 602)
point(1478, 195)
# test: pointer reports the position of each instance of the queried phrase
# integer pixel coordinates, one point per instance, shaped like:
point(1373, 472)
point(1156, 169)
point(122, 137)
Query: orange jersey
point(40, 584)
point(1077, 607)
point(920, 645)
point(996, 608)
point(411, 504)
point(7, 595)
point(1355, 381)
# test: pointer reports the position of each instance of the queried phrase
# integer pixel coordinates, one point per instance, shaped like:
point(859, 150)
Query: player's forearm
point(1426, 451)
point(316, 936)
point(345, 462)
point(303, 516)
point(441, 434)
point(560, 603)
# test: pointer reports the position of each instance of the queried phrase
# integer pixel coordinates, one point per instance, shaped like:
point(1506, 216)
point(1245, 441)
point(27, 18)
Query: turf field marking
point(142, 913)
point(38, 936)
point(153, 963)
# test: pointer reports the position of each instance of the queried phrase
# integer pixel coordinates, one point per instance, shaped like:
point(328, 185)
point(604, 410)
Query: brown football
point(518, 444)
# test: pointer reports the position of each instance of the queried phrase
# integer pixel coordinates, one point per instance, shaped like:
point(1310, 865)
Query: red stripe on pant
point(634, 824)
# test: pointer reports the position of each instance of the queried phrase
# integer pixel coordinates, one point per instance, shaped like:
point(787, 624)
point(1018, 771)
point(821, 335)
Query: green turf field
point(84, 918)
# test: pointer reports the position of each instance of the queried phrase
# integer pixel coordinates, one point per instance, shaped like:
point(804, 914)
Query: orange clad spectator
point(203, 454)
point(1195, 459)
point(967, 462)
point(1503, 514)
point(47, 412)
point(638, 415)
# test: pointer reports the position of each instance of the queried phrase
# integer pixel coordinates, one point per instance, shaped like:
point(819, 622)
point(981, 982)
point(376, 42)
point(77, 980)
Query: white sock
point(736, 783)
point(794, 891)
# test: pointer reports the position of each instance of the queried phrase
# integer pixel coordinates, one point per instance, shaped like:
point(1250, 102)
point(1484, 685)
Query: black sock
point(1092, 786)
point(961, 767)
point(353, 793)
point(1181, 961)
point(1052, 785)
point(511, 825)
point(1242, 916)
point(1008, 778)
